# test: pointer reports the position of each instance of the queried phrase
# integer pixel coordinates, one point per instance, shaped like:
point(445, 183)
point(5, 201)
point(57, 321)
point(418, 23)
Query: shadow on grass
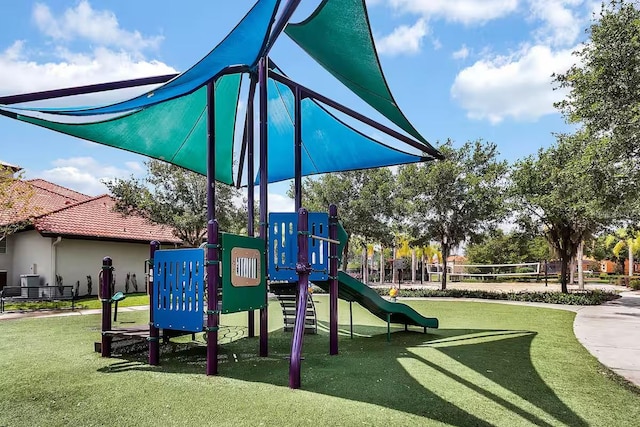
point(371, 370)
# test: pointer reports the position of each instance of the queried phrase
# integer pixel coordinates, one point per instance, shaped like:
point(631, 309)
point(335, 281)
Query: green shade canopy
point(174, 131)
point(338, 36)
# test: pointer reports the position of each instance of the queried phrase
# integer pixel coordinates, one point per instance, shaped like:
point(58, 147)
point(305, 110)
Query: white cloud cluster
point(21, 74)
point(517, 86)
point(404, 39)
point(463, 11)
point(97, 26)
point(22, 70)
point(461, 53)
point(562, 20)
point(85, 174)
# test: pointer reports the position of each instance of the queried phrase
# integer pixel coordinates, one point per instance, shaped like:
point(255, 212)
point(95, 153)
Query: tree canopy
point(177, 197)
point(554, 193)
point(456, 199)
point(15, 202)
point(363, 198)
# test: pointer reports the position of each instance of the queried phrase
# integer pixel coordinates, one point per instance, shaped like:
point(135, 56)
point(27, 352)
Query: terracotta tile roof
point(95, 218)
point(55, 188)
point(39, 201)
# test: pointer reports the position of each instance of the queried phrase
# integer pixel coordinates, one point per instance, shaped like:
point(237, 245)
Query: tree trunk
point(365, 258)
point(345, 256)
point(413, 266)
point(381, 265)
point(580, 267)
point(572, 271)
point(445, 255)
point(564, 263)
point(394, 271)
point(629, 243)
point(422, 268)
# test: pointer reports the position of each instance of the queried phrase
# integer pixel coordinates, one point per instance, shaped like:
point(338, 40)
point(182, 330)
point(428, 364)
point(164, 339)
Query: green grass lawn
point(489, 364)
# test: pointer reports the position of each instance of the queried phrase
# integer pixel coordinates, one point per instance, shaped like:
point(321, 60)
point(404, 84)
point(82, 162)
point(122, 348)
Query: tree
point(604, 85)
point(498, 247)
point(363, 200)
point(177, 197)
point(604, 96)
point(559, 192)
point(16, 208)
point(456, 199)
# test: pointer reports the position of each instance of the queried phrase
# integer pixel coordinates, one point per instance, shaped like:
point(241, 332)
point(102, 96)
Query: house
point(66, 236)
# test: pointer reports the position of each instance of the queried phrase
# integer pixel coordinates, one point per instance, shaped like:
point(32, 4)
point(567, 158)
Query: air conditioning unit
point(30, 284)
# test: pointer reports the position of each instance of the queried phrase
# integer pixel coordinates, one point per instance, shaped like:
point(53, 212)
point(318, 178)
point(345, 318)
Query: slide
point(350, 289)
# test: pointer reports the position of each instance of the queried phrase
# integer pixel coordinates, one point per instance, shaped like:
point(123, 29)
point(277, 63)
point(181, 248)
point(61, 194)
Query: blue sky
point(460, 69)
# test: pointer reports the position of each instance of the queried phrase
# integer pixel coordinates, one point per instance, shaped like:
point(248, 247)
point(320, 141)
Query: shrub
point(591, 297)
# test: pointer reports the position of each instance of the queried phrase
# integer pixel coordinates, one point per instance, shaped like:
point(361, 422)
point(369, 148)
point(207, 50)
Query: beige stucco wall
point(6, 260)
point(30, 248)
point(77, 259)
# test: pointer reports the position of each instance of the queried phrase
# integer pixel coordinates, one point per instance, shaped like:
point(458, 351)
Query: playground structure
point(204, 101)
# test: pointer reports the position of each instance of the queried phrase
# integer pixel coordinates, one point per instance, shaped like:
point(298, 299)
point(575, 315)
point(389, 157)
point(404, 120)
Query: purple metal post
point(105, 298)
point(282, 22)
point(79, 90)
point(250, 181)
point(333, 281)
point(263, 74)
point(154, 333)
point(213, 268)
point(297, 185)
point(303, 268)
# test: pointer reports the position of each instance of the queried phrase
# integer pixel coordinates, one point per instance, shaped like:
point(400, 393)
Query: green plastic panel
point(338, 36)
point(244, 281)
point(342, 238)
point(174, 131)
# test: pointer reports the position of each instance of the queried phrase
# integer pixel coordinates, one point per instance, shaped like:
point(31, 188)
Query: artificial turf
point(488, 364)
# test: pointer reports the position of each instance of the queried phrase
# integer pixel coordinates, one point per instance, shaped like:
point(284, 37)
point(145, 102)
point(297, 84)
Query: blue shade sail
point(242, 47)
point(328, 144)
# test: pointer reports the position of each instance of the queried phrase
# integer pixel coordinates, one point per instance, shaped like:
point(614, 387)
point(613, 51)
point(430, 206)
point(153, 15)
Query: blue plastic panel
point(178, 289)
point(283, 246)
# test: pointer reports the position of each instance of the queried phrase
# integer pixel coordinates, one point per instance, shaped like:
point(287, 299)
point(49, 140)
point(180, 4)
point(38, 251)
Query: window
point(3, 246)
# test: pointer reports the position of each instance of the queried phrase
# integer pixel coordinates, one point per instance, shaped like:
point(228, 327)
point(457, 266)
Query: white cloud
point(463, 11)
point(461, 53)
point(98, 26)
point(562, 20)
point(21, 74)
point(517, 86)
point(403, 39)
point(84, 174)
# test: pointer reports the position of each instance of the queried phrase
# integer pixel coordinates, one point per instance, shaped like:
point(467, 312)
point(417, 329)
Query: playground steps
point(288, 303)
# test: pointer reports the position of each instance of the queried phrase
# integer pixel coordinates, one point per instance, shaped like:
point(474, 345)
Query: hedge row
point(591, 297)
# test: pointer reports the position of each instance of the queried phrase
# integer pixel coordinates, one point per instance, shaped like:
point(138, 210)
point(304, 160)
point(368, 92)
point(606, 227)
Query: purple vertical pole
point(333, 281)
point(105, 292)
point(298, 149)
point(250, 182)
point(213, 269)
point(154, 333)
point(303, 268)
point(264, 178)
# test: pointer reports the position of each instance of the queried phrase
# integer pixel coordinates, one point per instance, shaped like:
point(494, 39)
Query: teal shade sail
point(338, 37)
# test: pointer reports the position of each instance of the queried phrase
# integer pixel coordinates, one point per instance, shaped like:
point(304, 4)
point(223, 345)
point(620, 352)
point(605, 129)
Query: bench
point(35, 293)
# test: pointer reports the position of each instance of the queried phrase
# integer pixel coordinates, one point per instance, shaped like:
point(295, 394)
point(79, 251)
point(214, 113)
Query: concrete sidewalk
point(611, 332)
